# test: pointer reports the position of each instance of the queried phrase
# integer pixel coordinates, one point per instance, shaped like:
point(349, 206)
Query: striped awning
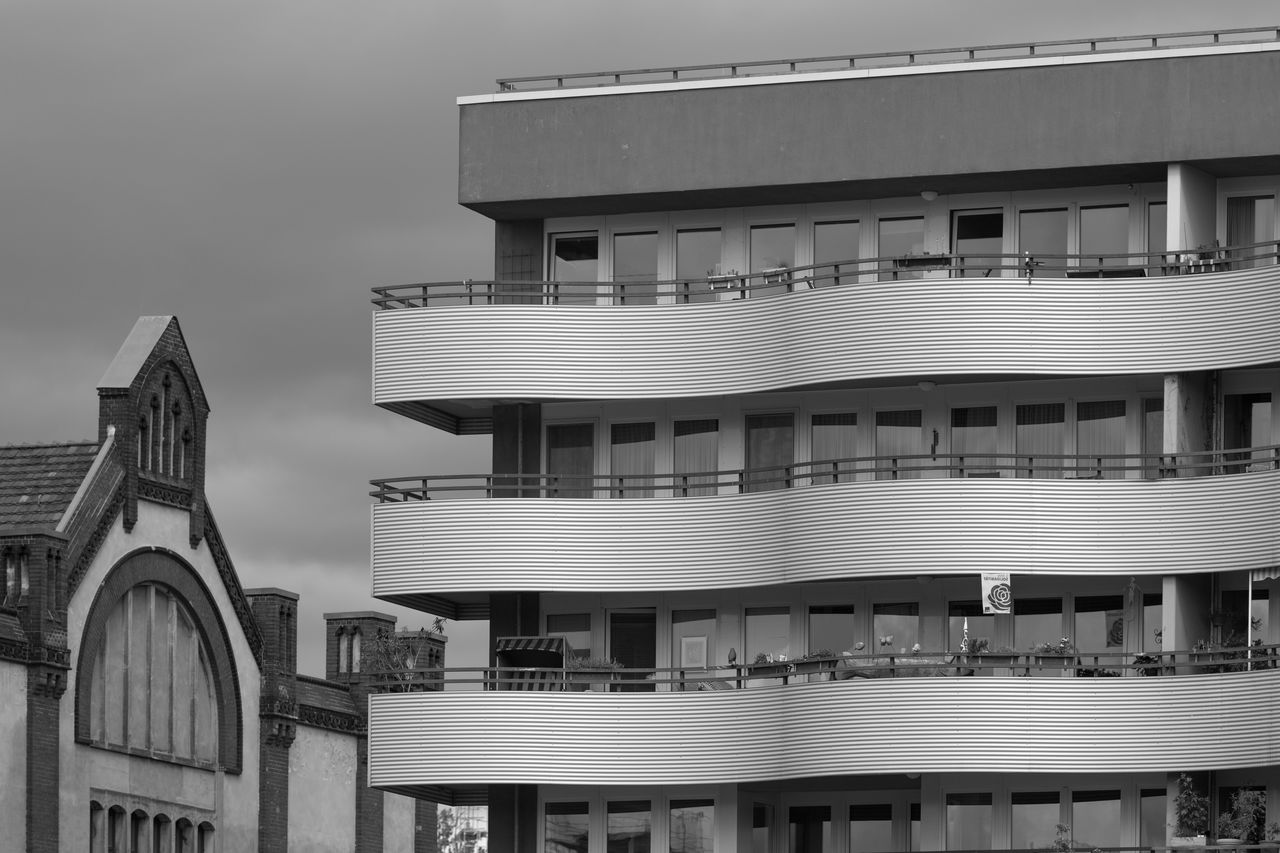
point(532, 651)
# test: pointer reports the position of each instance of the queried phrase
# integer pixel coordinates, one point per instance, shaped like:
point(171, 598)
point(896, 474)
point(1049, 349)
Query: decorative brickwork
point(45, 686)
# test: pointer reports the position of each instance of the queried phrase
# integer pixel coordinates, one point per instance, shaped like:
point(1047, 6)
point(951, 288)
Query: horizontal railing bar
point(845, 666)
point(963, 54)
point(822, 472)
point(774, 281)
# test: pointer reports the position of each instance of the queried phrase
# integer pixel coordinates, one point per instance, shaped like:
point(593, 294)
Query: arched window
point(184, 836)
point(204, 838)
point(165, 424)
point(344, 650)
point(138, 827)
point(355, 650)
point(10, 578)
point(97, 827)
point(152, 688)
point(162, 834)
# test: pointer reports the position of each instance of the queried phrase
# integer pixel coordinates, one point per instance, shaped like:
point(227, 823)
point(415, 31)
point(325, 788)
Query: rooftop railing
point(732, 285)
point(837, 667)
point(820, 472)
point(890, 59)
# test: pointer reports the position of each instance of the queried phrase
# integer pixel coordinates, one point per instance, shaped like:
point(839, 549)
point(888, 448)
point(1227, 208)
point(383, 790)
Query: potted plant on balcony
point(766, 666)
point(591, 673)
point(816, 665)
point(1245, 820)
point(982, 656)
point(1060, 653)
point(1191, 814)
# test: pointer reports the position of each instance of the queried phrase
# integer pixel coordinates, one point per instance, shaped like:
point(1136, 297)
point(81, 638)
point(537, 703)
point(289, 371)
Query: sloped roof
point(319, 693)
point(134, 351)
point(38, 481)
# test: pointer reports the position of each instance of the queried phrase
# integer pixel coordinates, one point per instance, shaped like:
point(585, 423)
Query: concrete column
point(1190, 411)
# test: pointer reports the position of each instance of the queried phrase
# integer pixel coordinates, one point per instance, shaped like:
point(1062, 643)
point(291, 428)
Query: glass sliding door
point(1246, 423)
point(1038, 437)
point(631, 451)
point(635, 268)
point(773, 255)
point(1034, 819)
point(1099, 435)
point(974, 442)
point(1095, 820)
point(900, 238)
point(770, 452)
point(1104, 230)
point(566, 827)
point(1042, 235)
point(833, 442)
point(575, 268)
point(834, 242)
point(831, 628)
point(633, 642)
point(629, 826)
point(695, 456)
point(977, 241)
point(697, 259)
point(899, 444)
point(1251, 219)
point(570, 460)
point(968, 821)
point(692, 826)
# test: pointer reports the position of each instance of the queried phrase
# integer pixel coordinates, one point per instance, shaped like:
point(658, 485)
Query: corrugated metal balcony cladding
point(874, 330)
point(827, 532)
point(917, 725)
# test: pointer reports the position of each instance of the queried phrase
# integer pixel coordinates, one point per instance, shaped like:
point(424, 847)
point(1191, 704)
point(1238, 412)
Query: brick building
point(147, 700)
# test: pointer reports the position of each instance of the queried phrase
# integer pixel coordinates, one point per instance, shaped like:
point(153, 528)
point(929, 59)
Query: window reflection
point(1095, 819)
point(692, 826)
point(831, 627)
point(969, 821)
point(1250, 219)
point(697, 258)
point(695, 449)
point(773, 253)
point(768, 631)
point(565, 828)
point(575, 258)
point(770, 451)
point(980, 626)
point(900, 237)
point(809, 829)
point(576, 630)
point(895, 627)
point(631, 451)
point(871, 828)
point(1034, 819)
point(835, 241)
point(628, 827)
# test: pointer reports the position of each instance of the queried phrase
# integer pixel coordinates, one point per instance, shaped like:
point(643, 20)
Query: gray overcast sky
point(255, 167)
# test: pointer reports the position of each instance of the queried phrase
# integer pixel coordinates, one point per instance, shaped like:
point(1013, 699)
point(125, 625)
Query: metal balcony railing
point(891, 59)
point(841, 667)
point(732, 285)
point(821, 472)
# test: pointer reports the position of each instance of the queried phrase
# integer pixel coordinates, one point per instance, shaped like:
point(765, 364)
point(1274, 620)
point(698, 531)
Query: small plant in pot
point(1191, 813)
point(589, 671)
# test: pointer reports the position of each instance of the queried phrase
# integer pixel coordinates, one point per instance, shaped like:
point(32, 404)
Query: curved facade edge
point(829, 532)
point(923, 725)
point(867, 331)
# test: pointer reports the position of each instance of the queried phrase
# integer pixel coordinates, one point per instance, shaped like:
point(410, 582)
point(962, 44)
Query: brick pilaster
point(45, 686)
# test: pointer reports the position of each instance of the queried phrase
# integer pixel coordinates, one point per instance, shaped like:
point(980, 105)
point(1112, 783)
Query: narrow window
point(773, 254)
point(1038, 437)
point(635, 267)
point(1152, 437)
point(632, 450)
point(770, 451)
point(1157, 236)
point(899, 444)
point(1151, 807)
point(1251, 219)
point(697, 259)
point(899, 238)
point(575, 267)
point(833, 444)
point(974, 442)
point(834, 242)
point(571, 460)
point(969, 821)
point(695, 456)
point(977, 241)
point(870, 827)
point(1042, 236)
point(1104, 232)
point(344, 650)
point(1100, 439)
point(355, 650)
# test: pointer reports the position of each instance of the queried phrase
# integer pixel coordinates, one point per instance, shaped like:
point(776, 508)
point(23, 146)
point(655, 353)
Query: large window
point(1095, 819)
point(631, 451)
point(768, 633)
point(770, 451)
point(895, 627)
point(566, 827)
point(571, 460)
point(969, 821)
point(974, 441)
point(833, 242)
point(773, 255)
point(833, 437)
point(981, 626)
point(629, 826)
point(695, 449)
point(899, 444)
point(831, 628)
point(1151, 806)
point(1251, 219)
point(977, 241)
point(575, 258)
point(693, 826)
point(1099, 434)
point(809, 829)
point(870, 827)
point(635, 267)
point(1042, 234)
point(1034, 817)
point(697, 258)
point(1038, 439)
point(1104, 230)
point(152, 689)
point(899, 237)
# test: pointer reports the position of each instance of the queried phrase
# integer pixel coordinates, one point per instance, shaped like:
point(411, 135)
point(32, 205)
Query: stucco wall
point(322, 791)
point(756, 143)
point(231, 798)
point(13, 753)
point(398, 823)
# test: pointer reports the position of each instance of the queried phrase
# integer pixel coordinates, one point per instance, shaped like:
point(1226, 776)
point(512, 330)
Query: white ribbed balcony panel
point(915, 725)
point(827, 532)
point(866, 331)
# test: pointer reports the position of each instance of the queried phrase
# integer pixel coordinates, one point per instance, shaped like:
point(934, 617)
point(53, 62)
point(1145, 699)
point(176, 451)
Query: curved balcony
point(425, 549)
point(455, 347)
point(891, 725)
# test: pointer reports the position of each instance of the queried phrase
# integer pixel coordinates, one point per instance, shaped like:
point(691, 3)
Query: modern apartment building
point(778, 361)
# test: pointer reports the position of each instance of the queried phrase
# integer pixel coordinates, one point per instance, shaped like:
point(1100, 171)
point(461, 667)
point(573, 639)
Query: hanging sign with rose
point(997, 595)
